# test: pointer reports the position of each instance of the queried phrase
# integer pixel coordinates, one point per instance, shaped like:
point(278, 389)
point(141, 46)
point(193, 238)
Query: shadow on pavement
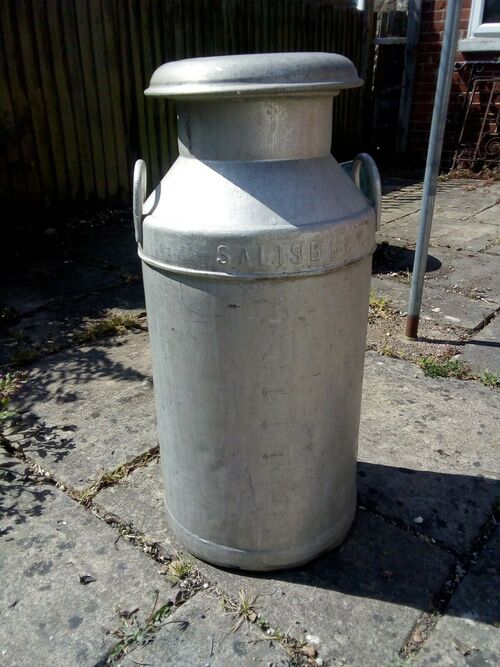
point(394, 259)
point(15, 484)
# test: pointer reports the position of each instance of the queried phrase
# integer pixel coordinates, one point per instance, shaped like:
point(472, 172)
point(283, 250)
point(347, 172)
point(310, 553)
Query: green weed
point(434, 368)
point(132, 634)
point(179, 568)
point(490, 379)
point(111, 325)
point(10, 383)
point(379, 305)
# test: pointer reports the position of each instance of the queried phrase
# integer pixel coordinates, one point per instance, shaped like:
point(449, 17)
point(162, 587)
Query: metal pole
point(443, 88)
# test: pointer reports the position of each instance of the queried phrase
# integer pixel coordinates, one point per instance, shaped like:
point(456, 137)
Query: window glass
point(491, 13)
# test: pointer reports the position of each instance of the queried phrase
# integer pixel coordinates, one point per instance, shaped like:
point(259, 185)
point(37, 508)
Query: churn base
point(266, 560)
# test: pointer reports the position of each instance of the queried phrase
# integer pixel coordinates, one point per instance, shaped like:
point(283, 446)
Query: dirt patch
point(386, 336)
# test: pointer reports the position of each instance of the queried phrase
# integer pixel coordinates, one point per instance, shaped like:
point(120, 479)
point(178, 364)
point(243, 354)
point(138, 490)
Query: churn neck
point(258, 106)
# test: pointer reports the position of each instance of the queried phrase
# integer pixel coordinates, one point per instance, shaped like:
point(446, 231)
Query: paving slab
point(438, 305)
point(52, 281)
point(475, 275)
point(88, 410)
point(455, 199)
point(463, 203)
point(428, 424)
point(114, 248)
point(490, 215)
point(48, 542)
point(482, 352)
point(55, 325)
point(201, 633)
point(138, 499)
point(472, 274)
point(428, 450)
point(468, 635)
point(447, 231)
point(447, 508)
point(357, 600)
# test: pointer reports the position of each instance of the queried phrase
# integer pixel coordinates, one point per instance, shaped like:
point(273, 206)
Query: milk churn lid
point(254, 75)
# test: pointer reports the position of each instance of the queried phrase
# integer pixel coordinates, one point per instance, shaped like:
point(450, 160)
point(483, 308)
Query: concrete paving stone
point(138, 499)
point(468, 635)
point(56, 324)
point(449, 508)
point(114, 248)
point(450, 232)
point(493, 248)
point(428, 424)
point(471, 274)
point(482, 352)
point(88, 410)
point(421, 458)
point(464, 201)
point(398, 203)
point(475, 275)
point(359, 600)
point(455, 199)
point(201, 633)
point(490, 215)
point(48, 542)
point(438, 305)
point(51, 281)
point(392, 256)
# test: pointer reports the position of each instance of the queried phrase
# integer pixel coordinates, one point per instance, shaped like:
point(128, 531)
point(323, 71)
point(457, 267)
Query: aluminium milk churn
point(256, 249)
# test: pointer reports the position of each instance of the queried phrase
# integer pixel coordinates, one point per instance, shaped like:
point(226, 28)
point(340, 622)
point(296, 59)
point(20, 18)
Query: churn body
point(256, 250)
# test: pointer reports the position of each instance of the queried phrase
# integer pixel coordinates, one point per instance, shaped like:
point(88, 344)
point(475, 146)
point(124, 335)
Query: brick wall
point(429, 51)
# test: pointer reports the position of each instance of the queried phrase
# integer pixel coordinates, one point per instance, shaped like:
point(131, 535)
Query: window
point(484, 27)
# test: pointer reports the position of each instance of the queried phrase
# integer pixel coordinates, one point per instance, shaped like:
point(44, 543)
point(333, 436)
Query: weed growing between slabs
point(454, 368)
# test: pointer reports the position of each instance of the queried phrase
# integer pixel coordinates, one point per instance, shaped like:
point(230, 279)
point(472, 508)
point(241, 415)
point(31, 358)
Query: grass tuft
point(179, 569)
point(10, 384)
point(110, 478)
point(490, 379)
point(112, 325)
point(242, 609)
point(379, 306)
point(132, 634)
point(434, 368)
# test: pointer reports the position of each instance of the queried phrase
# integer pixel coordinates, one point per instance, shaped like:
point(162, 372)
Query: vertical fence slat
point(20, 169)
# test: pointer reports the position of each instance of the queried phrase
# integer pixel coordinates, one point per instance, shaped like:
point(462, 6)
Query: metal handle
point(374, 194)
point(139, 185)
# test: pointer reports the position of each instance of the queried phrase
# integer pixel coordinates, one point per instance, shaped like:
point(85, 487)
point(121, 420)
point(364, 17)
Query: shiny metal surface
point(256, 258)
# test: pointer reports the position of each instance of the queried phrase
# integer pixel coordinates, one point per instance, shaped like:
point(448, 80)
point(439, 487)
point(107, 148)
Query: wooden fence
point(73, 117)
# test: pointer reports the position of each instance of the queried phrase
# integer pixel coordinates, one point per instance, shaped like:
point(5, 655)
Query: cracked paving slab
point(56, 324)
point(88, 410)
point(467, 635)
point(47, 543)
point(53, 281)
point(201, 633)
point(450, 232)
point(470, 274)
point(482, 351)
point(428, 451)
point(359, 601)
point(439, 306)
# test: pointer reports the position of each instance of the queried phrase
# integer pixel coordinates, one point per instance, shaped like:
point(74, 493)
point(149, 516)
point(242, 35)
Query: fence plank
point(73, 75)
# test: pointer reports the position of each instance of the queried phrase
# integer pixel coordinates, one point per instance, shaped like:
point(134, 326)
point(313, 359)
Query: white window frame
point(480, 36)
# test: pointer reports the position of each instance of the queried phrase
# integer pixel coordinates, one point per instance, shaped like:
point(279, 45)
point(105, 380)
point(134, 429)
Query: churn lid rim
point(254, 75)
